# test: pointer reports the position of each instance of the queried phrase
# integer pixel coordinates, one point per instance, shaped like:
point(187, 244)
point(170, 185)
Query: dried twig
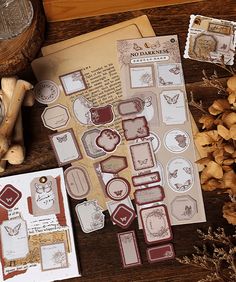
point(195, 104)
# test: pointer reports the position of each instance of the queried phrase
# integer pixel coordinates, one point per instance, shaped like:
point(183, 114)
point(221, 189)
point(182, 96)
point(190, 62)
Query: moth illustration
point(13, 231)
point(152, 46)
point(43, 188)
point(187, 211)
point(118, 193)
point(183, 187)
point(137, 47)
point(44, 196)
point(163, 82)
point(142, 162)
point(181, 139)
point(171, 100)
point(173, 174)
point(187, 170)
point(223, 47)
point(62, 139)
point(175, 70)
point(146, 78)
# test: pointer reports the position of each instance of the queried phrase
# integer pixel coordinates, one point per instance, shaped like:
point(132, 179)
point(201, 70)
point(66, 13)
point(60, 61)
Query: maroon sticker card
point(123, 216)
point(160, 253)
point(9, 196)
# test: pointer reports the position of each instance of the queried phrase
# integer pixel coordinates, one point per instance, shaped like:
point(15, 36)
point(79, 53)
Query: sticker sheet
point(209, 39)
point(82, 90)
point(157, 131)
point(37, 242)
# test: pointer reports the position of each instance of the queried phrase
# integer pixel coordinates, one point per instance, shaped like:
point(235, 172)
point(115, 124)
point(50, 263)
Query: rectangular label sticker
point(160, 253)
point(129, 249)
point(145, 179)
point(149, 195)
point(156, 224)
point(65, 146)
point(142, 156)
point(73, 82)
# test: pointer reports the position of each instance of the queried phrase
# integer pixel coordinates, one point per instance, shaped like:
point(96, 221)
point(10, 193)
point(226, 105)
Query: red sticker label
point(123, 216)
point(101, 115)
point(9, 196)
point(160, 253)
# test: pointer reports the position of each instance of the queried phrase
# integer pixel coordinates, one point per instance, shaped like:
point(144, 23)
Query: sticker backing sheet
point(158, 127)
point(37, 242)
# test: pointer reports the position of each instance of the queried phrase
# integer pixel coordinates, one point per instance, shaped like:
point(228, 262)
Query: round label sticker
point(118, 189)
point(176, 141)
point(46, 92)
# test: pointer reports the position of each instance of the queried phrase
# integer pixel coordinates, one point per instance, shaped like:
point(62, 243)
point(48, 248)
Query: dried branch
point(195, 104)
point(214, 81)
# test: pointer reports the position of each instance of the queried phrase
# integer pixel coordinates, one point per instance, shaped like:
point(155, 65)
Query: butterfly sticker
point(183, 187)
point(62, 139)
point(46, 188)
point(171, 100)
point(137, 47)
point(13, 231)
point(173, 174)
point(175, 70)
point(187, 170)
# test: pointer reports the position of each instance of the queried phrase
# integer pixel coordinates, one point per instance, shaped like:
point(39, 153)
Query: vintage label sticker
point(129, 249)
point(169, 75)
point(73, 82)
point(114, 164)
point(9, 196)
point(173, 107)
point(44, 195)
point(130, 106)
point(53, 256)
point(204, 45)
point(142, 156)
point(77, 180)
point(141, 77)
point(81, 107)
point(14, 239)
point(65, 147)
point(176, 141)
point(180, 174)
point(183, 207)
point(149, 195)
point(146, 178)
point(154, 139)
point(160, 253)
point(156, 224)
point(118, 189)
point(108, 140)
point(102, 115)
point(90, 216)
point(89, 141)
point(46, 92)
point(135, 128)
point(123, 216)
point(55, 117)
point(219, 28)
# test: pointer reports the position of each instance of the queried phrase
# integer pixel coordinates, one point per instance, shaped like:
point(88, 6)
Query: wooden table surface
point(98, 252)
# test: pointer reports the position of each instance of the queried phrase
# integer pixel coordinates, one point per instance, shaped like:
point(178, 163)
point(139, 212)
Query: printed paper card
point(157, 128)
point(209, 39)
point(37, 242)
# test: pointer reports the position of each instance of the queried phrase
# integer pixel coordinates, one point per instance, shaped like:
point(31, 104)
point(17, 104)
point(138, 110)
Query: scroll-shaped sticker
point(173, 107)
point(176, 141)
point(90, 216)
point(123, 216)
point(170, 75)
point(9, 196)
point(118, 188)
point(114, 164)
point(89, 141)
point(53, 256)
point(131, 106)
point(183, 207)
point(135, 128)
point(55, 117)
point(180, 174)
point(78, 183)
point(149, 195)
point(44, 194)
point(129, 249)
point(145, 179)
point(65, 147)
point(160, 253)
point(14, 239)
point(81, 108)
point(73, 82)
point(156, 224)
point(102, 115)
point(141, 77)
point(142, 156)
